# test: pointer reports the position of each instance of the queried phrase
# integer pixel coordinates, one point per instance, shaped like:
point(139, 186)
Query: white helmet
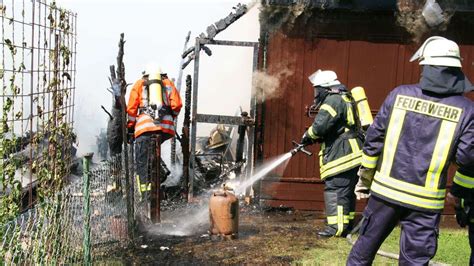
point(438, 51)
point(152, 69)
point(324, 78)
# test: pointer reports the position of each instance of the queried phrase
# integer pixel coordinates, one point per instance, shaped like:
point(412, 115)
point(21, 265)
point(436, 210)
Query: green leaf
point(8, 105)
point(18, 115)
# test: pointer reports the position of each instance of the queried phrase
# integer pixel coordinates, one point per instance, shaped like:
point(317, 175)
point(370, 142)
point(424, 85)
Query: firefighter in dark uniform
point(419, 130)
point(340, 154)
point(462, 192)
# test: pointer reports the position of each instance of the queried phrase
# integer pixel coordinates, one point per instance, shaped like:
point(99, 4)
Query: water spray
point(224, 204)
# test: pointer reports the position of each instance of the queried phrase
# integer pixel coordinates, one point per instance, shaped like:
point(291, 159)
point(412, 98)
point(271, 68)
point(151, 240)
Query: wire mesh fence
point(37, 70)
point(53, 232)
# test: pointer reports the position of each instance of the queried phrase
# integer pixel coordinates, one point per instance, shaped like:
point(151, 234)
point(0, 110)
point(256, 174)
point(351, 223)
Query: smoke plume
point(268, 86)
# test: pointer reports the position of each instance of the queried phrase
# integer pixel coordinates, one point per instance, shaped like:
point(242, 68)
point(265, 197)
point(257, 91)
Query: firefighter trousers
point(418, 237)
point(471, 231)
point(340, 200)
point(146, 160)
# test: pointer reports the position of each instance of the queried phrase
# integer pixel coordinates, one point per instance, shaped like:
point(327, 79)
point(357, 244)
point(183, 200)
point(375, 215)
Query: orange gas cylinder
point(224, 213)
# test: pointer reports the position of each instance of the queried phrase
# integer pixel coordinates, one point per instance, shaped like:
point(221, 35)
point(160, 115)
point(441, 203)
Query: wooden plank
point(319, 205)
point(290, 103)
point(294, 179)
point(400, 64)
point(268, 103)
point(298, 205)
point(380, 60)
point(271, 126)
point(299, 87)
point(306, 99)
point(312, 169)
point(304, 205)
point(332, 55)
point(292, 191)
point(283, 104)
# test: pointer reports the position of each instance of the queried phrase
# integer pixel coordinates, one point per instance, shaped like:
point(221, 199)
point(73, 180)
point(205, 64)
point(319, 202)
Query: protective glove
point(461, 216)
point(461, 212)
point(362, 189)
point(307, 140)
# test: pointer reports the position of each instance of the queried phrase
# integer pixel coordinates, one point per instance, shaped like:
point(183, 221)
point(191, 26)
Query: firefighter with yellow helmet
point(419, 131)
point(153, 105)
point(336, 127)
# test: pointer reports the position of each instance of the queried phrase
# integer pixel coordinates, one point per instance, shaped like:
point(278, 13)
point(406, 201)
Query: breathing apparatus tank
point(155, 90)
point(363, 108)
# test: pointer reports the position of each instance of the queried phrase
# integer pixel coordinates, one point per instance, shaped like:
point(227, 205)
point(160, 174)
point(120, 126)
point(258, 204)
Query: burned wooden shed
point(368, 43)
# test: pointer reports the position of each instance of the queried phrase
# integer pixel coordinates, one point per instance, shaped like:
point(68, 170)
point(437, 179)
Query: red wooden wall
point(378, 67)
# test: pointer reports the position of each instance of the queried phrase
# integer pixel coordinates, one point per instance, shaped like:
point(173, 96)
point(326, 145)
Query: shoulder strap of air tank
point(357, 128)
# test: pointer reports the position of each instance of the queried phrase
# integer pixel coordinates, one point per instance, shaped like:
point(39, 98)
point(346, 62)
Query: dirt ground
point(266, 236)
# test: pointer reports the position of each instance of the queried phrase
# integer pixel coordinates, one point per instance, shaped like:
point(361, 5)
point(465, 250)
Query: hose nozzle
point(299, 148)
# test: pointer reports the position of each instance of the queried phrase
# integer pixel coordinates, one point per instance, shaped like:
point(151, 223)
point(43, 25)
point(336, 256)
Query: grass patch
point(453, 248)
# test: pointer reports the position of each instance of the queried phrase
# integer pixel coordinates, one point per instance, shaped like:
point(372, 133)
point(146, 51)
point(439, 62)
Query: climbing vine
point(10, 202)
point(36, 138)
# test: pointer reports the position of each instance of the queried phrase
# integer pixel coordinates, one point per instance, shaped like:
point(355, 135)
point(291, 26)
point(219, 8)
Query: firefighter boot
point(330, 200)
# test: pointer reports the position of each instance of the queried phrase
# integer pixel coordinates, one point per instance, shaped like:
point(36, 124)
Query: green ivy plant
point(51, 164)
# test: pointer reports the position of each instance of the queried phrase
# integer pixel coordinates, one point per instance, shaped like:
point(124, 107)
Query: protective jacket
point(335, 126)
point(416, 134)
point(142, 121)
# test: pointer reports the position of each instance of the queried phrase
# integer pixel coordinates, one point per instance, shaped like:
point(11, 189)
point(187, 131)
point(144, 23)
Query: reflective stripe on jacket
point(341, 149)
point(144, 122)
point(172, 97)
point(413, 139)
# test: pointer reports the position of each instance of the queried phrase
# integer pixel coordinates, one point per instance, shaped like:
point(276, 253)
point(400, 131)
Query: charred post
point(185, 138)
point(178, 86)
point(155, 187)
point(239, 157)
point(123, 89)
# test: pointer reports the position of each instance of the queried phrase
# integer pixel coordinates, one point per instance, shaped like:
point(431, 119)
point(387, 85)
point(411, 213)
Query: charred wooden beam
point(123, 88)
point(224, 119)
point(185, 138)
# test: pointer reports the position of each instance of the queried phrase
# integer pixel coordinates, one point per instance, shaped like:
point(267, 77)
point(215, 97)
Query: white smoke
point(268, 86)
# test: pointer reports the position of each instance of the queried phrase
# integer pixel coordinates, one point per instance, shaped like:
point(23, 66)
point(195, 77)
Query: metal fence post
point(87, 212)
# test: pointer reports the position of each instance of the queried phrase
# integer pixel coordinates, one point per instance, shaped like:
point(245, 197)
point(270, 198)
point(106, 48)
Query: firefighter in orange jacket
point(153, 105)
